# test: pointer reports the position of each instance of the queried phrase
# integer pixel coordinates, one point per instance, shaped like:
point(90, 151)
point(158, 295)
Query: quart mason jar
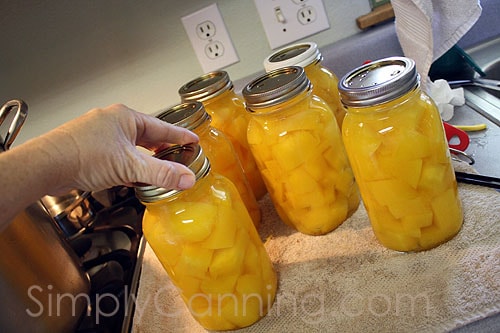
point(227, 110)
point(324, 81)
point(208, 245)
point(298, 148)
point(217, 147)
point(394, 138)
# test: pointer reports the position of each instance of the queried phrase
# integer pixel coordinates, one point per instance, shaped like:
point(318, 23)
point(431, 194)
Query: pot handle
point(17, 122)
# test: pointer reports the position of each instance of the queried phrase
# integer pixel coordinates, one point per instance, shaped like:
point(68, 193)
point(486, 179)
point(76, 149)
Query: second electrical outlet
point(210, 39)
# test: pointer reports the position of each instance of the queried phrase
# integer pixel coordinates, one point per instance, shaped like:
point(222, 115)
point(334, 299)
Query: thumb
point(167, 174)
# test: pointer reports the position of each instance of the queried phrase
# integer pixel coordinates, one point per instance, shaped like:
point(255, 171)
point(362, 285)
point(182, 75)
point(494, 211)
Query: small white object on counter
point(445, 97)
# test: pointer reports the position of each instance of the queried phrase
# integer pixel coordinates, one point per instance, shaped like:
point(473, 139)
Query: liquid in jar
point(216, 91)
point(217, 147)
point(394, 138)
point(323, 80)
point(298, 148)
point(208, 245)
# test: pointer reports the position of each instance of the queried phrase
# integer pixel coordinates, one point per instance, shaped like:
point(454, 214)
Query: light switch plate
point(210, 39)
point(286, 21)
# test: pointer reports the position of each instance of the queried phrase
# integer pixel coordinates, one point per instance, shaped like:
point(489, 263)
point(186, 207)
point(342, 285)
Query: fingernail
point(186, 182)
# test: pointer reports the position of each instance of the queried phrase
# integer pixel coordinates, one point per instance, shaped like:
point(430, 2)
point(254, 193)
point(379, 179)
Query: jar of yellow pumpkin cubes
point(324, 81)
point(217, 147)
point(216, 91)
point(298, 148)
point(395, 141)
point(208, 245)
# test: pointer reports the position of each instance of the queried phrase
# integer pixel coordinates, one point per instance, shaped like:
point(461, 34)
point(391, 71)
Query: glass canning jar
point(324, 81)
point(216, 146)
point(394, 138)
point(208, 245)
point(298, 148)
point(215, 90)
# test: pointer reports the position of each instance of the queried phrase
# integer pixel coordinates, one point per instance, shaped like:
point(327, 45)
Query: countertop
point(483, 148)
point(346, 281)
point(484, 145)
point(459, 275)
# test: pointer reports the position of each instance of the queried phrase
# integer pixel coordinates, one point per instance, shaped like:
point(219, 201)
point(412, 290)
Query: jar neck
point(202, 127)
point(301, 97)
point(316, 69)
point(228, 94)
point(197, 188)
point(407, 97)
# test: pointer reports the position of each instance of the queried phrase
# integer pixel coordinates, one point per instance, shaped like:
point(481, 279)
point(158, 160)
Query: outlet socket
point(306, 15)
point(214, 50)
point(286, 21)
point(210, 39)
point(205, 30)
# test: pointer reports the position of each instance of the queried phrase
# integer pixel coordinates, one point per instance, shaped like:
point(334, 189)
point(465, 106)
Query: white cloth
point(426, 29)
point(445, 98)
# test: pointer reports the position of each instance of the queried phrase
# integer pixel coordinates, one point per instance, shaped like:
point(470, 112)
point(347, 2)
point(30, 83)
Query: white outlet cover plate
point(283, 26)
point(215, 51)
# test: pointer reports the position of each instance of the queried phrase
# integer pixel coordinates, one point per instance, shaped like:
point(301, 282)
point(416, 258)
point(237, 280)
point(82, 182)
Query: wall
point(65, 57)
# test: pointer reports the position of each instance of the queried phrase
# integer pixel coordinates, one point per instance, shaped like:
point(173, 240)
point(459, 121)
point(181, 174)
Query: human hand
point(98, 150)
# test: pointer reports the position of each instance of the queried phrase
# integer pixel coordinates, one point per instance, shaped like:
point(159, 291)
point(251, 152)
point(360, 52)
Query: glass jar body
point(298, 148)
point(207, 243)
point(400, 157)
point(325, 85)
point(220, 151)
point(230, 117)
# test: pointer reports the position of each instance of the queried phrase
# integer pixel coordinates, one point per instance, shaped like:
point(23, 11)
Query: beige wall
point(65, 57)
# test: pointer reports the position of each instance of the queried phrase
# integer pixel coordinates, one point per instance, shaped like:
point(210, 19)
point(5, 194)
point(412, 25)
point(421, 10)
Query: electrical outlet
point(214, 50)
point(306, 15)
point(210, 39)
point(286, 21)
point(205, 30)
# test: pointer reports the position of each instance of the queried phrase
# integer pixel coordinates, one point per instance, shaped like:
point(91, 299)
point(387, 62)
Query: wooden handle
point(378, 15)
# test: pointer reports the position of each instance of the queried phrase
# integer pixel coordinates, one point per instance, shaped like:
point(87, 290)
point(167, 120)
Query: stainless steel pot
point(16, 123)
point(43, 288)
point(72, 212)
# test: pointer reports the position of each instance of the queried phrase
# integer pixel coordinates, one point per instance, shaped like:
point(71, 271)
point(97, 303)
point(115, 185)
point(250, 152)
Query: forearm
point(93, 152)
point(29, 172)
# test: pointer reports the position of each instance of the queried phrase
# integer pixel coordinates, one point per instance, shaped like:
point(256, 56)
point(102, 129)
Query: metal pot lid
point(379, 81)
point(301, 54)
point(206, 86)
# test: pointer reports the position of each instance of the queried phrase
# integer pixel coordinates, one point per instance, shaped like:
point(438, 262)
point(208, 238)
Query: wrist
point(27, 175)
point(57, 155)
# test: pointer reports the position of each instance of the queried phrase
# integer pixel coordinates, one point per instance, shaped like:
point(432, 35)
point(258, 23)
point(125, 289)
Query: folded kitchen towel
point(426, 29)
point(346, 281)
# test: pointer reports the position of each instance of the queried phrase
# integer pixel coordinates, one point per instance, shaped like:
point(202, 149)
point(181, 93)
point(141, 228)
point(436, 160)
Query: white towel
point(346, 281)
point(426, 29)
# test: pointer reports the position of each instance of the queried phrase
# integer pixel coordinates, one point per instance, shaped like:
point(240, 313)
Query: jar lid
point(301, 54)
point(189, 115)
point(206, 86)
point(378, 82)
point(275, 87)
point(190, 155)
